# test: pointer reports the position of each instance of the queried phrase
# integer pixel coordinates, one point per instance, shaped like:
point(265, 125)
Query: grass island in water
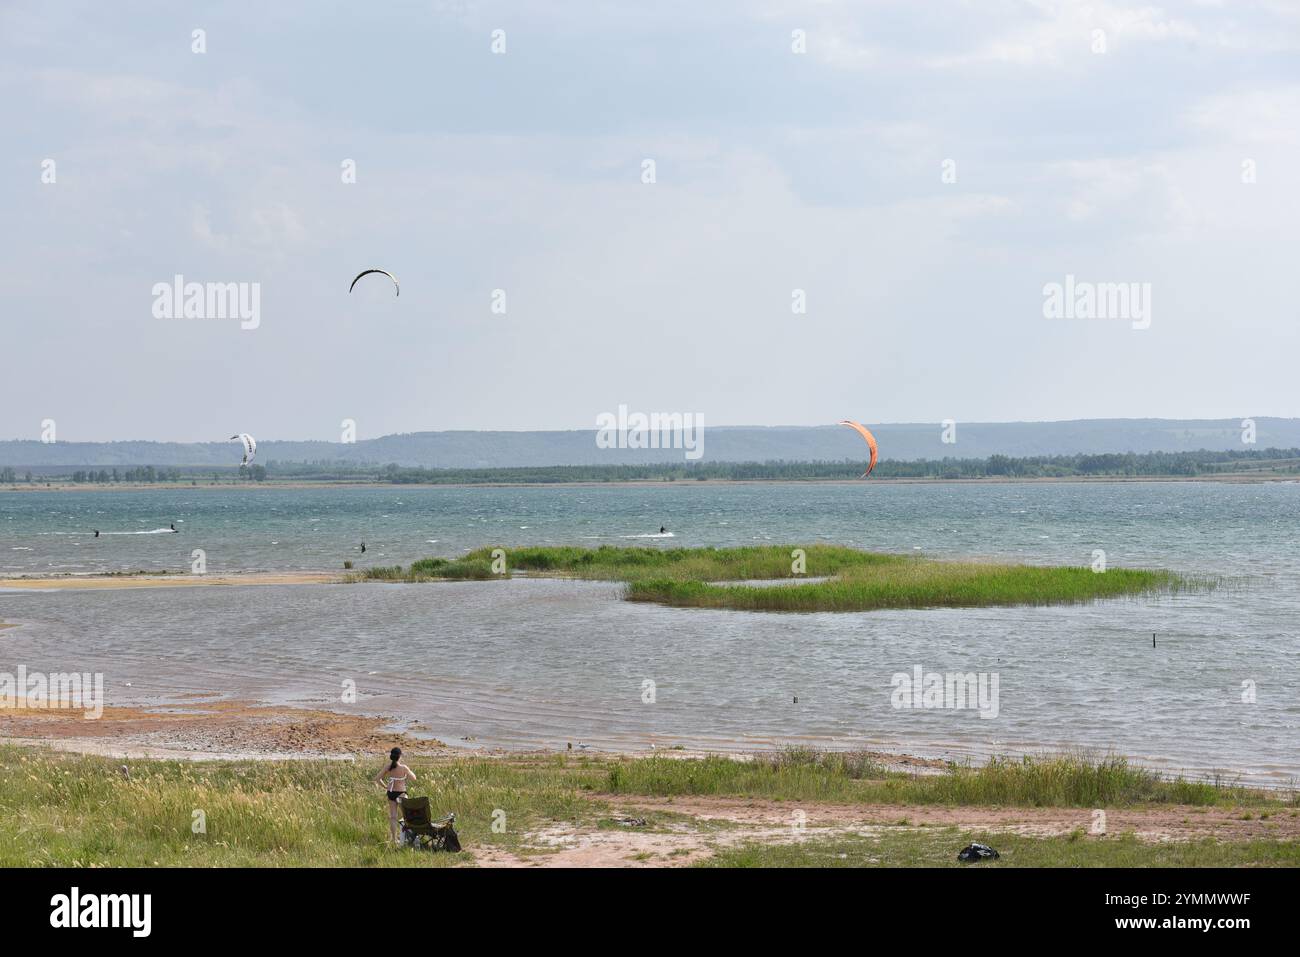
point(769, 577)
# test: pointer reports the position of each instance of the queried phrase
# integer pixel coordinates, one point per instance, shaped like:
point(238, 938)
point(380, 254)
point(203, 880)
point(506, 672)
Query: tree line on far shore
point(1123, 464)
point(1203, 463)
point(145, 474)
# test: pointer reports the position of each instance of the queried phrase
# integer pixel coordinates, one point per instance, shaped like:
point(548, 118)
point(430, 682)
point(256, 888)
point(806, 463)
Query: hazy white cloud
point(1261, 117)
point(775, 172)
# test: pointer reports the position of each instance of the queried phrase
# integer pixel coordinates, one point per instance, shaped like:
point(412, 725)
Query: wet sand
point(211, 729)
point(60, 582)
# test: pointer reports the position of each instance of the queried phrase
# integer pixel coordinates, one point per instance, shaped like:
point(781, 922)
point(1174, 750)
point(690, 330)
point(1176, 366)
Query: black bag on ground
point(450, 841)
point(977, 852)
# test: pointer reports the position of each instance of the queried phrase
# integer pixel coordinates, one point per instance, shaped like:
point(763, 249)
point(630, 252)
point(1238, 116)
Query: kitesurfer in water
point(174, 528)
point(97, 533)
point(363, 548)
point(662, 529)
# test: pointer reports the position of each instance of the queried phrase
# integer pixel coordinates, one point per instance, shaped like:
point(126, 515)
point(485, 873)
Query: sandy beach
point(113, 582)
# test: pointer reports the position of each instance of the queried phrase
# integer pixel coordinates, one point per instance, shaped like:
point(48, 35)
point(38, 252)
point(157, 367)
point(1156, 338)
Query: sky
point(915, 173)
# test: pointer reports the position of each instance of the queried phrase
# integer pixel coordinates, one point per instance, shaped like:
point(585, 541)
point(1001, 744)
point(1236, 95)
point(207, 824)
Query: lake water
point(529, 662)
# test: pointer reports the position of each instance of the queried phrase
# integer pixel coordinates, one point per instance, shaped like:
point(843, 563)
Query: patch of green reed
point(1064, 781)
point(434, 569)
point(1055, 781)
point(755, 562)
point(855, 580)
point(920, 584)
point(385, 573)
point(469, 567)
point(611, 563)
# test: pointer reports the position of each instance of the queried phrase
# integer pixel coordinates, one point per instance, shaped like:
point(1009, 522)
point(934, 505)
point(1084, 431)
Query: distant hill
point(899, 442)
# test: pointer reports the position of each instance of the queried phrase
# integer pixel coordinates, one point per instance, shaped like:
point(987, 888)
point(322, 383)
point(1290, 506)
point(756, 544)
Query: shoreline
point(102, 582)
point(1236, 478)
point(208, 726)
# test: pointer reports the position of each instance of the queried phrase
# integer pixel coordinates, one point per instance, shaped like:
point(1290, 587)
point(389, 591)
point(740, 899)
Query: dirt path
point(710, 823)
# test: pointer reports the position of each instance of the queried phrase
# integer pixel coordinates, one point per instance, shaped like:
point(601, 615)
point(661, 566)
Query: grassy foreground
point(933, 848)
point(853, 580)
point(60, 809)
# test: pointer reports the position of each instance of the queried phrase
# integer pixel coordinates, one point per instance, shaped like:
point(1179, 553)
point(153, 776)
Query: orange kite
point(871, 442)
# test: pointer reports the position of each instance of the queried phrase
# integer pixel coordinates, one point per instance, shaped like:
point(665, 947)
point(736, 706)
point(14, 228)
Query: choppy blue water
point(531, 662)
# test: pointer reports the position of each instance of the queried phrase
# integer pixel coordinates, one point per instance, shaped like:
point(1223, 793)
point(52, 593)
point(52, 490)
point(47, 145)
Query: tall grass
point(919, 584)
point(434, 569)
point(81, 811)
point(630, 564)
point(1055, 781)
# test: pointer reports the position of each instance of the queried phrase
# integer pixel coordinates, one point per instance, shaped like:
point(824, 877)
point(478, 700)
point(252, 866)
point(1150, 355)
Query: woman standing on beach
point(396, 775)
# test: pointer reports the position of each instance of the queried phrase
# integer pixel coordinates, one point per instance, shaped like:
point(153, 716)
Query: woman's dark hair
point(393, 755)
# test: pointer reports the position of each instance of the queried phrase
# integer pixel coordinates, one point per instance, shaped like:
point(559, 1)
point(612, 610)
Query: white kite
point(250, 446)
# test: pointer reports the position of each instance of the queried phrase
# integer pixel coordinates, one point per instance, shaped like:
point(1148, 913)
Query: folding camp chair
point(420, 830)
